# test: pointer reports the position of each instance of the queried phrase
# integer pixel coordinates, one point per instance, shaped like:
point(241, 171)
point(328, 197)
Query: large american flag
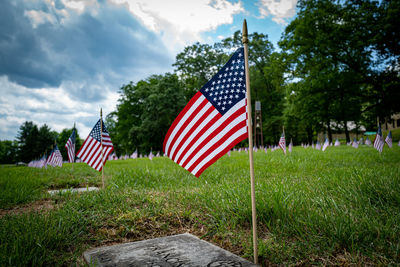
point(90, 152)
point(213, 121)
point(282, 142)
point(55, 158)
point(378, 142)
point(70, 146)
point(388, 139)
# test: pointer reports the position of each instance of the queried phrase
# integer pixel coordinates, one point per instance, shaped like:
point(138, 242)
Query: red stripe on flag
point(181, 114)
point(226, 122)
point(217, 144)
point(223, 152)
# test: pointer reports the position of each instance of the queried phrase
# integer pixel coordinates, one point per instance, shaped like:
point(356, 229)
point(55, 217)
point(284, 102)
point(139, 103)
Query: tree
point(8, 151)
point(34, 142)
point(145, 112)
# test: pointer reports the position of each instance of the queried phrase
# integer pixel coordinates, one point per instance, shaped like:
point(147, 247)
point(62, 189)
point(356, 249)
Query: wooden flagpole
point(73, 159)
point(245, 41)
point(101, 146)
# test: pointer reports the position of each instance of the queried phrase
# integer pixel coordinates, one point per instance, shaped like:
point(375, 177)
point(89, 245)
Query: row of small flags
point(55, 158)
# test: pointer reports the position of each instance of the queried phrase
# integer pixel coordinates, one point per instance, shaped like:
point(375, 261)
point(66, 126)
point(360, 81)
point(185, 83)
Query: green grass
point(338, 207)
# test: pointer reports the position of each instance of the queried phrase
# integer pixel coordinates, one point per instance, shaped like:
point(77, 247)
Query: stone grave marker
point(182, 250)
point(73, 190)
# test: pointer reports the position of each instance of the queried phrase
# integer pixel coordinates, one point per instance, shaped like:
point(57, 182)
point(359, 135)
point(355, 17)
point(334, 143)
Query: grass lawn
point(338, 207)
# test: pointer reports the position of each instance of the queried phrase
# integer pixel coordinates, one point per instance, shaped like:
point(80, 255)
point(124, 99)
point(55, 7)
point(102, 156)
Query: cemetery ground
point(338, 207)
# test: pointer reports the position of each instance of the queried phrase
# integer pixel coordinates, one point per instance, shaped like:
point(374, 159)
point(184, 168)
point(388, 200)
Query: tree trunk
point(347, 132)
point(329, 131)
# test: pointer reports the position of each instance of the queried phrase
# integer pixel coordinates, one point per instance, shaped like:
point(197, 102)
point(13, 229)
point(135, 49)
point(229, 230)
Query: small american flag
point(55, 158)
point(91, 150)
point(326, 144)
point(388, 139)
point(290, 145)
point(378, 142)
point(70, 146)
point(213, 121)
point(337, 143)
point(282, 143)
point(355, 143)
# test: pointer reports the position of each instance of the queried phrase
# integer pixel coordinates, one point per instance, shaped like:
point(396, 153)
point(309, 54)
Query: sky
point(63, 60)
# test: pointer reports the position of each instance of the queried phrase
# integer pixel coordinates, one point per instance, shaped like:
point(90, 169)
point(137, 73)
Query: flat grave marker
point(182, 250)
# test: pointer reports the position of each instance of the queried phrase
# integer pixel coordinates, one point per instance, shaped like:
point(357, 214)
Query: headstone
point(73, 190)
point(182, 250)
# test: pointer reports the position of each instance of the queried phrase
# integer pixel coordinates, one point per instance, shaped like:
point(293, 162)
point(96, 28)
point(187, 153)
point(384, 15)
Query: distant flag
point(213, 121)
point(134, 155)
point(42, 162)
point(355, 143)
point(337, 143)
point(91, 151)
point(367, 141)
point(388, 139)
point(229, 153)
point(282, 143)
point(326, 144)
point(151, 155)
point(290, 145)
point(378, 142)
point(318, 145)
point(158, 154)
point(70, 146)
point(55, 158)
point(361, 141)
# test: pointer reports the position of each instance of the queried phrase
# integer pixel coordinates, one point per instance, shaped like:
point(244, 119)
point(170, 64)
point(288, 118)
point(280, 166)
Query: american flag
point(367, 141)
point(282, 143)
point(378, 142)
point(70, 146)
point(90, 151)
point(355, 143)
point(318, 145)
point(55, 158)
point(326, 144)
point(337, 143)
point(388, 139)
point(213, 121)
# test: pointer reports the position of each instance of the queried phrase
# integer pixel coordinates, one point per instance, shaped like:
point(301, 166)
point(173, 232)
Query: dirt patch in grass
point(42, 205)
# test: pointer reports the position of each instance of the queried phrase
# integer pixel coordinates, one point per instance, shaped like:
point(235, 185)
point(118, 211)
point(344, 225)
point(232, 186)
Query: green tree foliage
point(33, 142)
point(334, 48)
point(145, 112)
point(8, 151)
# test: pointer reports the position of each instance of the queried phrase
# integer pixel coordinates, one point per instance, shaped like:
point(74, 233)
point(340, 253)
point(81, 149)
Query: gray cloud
point(80, 52)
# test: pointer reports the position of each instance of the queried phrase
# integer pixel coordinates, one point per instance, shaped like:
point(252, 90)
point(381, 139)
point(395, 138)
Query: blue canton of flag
point(228, 87)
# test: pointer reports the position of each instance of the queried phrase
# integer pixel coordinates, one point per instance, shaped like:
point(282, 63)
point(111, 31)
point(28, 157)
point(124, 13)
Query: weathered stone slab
point(72, 190)
point(172, 251)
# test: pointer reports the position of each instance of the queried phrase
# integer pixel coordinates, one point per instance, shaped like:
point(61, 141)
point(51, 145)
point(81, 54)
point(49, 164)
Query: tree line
point(33, 142)
point(337, 62)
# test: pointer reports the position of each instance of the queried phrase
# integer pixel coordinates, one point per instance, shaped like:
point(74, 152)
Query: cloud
point(60, 61)
point(182, 22)
point(280, 10)
point(44, 47)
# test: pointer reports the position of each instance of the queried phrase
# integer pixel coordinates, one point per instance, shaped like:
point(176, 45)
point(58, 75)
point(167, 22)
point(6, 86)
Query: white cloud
point(51, 106)
point(280, 10)
point(181, 22)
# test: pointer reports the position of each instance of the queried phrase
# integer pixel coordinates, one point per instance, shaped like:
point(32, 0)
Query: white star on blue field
point(62, 60)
